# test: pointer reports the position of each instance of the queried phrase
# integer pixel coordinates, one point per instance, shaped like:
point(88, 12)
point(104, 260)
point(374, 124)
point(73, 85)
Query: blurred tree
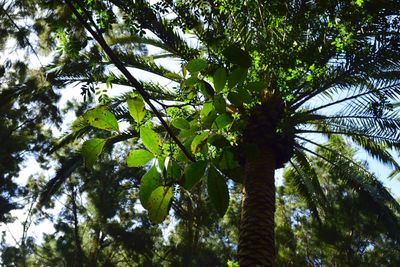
point(352, 231)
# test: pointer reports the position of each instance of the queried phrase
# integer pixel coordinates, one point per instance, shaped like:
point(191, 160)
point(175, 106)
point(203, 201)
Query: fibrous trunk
point(256, 238)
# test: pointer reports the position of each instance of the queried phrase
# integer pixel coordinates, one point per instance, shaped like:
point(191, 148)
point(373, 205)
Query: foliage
point(264, 81)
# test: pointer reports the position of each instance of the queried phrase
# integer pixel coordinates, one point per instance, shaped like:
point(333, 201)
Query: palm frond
point(300, 181)
point(163, 29)
point(363, 94)
point(363, 182)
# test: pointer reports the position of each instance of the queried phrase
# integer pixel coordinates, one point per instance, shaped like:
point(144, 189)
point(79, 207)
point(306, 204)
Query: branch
point(96, 34)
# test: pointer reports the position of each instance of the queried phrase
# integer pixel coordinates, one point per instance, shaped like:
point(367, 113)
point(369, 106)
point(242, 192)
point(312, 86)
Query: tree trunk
point(256, 238)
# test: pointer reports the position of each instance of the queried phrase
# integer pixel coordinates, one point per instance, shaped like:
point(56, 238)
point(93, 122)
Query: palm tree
point(298, 72)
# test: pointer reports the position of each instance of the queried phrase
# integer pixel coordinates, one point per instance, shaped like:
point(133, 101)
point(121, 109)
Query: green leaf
point(150, 140)
point(245, 95)
point(219, 79)
point(172, 75)
point(180, 123)
point(238, 56)
point(218, 141)
point(91, 150)
point(138, 158)
point(174, 171)
point(222, 121)
point(228, 161)
point(196, 65)
point(207, 108)
point(218, 191)
point(235, 98)
point(79, 124)
point(193, 174)
point(220, 104)
point(236, 77)
point(207, 90)
point(191, 81)
point(101, 118)
point(159, 203)
point(161, 163)
point(136, 108)
point(198, 142)
point(149, 182)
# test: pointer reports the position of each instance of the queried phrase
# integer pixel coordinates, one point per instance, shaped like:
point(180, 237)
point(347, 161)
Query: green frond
point(301, 182)
point(358, 98)
point(313, 183)
point(375, 68)
point(136, 39)
point(363, 182)
point(146, 64)
point(164, 30)
point(347, 128)
point(376, 150)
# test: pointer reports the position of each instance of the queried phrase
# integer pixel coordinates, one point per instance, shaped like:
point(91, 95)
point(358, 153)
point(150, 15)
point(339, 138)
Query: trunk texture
point(256, 238)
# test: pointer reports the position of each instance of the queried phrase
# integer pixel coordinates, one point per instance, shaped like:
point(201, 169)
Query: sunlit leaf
point(180, 123)
point(138, 158)
point(159, 203)
point(173, 76)
point(207, 108)
point(101, 118)
point(192, 81)
point(91, 149)
point(222, 121)
point(218, 191)
point(198, 142)
point(196, 65)
point(161, 162)
point(149, 182)
point(150, 140)
point(136, 108)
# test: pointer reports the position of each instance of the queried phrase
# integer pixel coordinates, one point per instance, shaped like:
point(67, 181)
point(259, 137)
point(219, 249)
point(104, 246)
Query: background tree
point(351, 232)
point(24, 130)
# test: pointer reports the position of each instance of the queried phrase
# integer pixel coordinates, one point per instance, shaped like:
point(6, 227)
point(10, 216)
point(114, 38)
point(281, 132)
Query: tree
point(24, 131)
point(351, 232)
point(245, 101)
